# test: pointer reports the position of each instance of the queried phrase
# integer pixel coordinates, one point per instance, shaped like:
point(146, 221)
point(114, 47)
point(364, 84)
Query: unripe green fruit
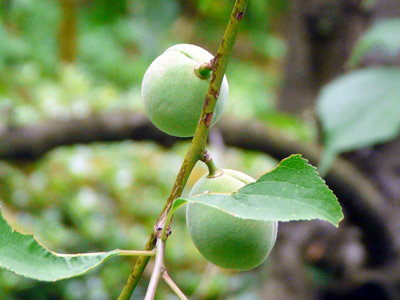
point(172, 93)
point(223, 239)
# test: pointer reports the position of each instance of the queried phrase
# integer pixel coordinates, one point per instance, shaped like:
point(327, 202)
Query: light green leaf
point(358, 110)
point(382, 36)
point(24, 255)
point(292, 191)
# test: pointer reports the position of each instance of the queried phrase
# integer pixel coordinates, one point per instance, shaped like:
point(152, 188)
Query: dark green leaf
point(292, 191)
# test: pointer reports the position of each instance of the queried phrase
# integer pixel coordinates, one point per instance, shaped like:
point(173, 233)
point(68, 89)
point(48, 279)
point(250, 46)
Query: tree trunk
point(68, 31)
point(321, 35)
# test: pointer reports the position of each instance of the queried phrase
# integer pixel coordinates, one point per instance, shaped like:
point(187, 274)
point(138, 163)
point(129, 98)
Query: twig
point(197, 147)
point(173, 285)
point(136, 252)
point(155, 277)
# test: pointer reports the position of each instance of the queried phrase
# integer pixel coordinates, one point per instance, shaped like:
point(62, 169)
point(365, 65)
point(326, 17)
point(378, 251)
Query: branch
point(197, 147)
point(364, 204)
point(155, 277)
point(31, 142)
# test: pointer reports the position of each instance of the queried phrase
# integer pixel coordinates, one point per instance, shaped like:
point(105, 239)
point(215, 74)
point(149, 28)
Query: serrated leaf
point(24, 255)
point(292, 191)
point(359, 109)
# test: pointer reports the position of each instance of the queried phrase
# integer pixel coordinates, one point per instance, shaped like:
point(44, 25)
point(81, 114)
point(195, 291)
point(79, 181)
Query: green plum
point(223, 239)
point(173, 94)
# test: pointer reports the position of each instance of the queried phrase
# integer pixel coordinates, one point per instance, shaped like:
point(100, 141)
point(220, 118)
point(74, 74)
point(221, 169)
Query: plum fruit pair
point(173, 93)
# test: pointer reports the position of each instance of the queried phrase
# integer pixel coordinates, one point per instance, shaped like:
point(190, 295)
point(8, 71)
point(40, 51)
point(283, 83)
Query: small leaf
point(359, 109)
point(175, 205)
point(24, 255)
point(292, 191)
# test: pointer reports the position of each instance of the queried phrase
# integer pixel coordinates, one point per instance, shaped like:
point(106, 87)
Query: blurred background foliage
point(62, 59)
point(66, 58)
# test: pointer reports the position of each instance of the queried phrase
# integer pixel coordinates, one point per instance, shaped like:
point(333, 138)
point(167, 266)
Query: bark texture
point(321, 35)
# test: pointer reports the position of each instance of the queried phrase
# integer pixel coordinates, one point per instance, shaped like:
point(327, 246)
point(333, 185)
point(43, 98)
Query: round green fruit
point(225, 240)
point(172, 93)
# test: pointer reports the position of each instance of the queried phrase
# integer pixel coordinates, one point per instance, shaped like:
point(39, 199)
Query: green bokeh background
point(102, 196)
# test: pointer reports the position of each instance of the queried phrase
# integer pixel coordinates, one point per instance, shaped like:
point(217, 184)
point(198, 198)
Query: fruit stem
point(203, 70)
point(212, 168)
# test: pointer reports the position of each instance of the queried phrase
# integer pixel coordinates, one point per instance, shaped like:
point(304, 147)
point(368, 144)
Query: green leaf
point(24, 255)
point(359, 109)
point(292, 191)
point(383, 36)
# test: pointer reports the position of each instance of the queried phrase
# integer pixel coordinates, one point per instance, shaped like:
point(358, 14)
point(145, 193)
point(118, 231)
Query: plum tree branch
point(356, 193)
point(197, 147)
